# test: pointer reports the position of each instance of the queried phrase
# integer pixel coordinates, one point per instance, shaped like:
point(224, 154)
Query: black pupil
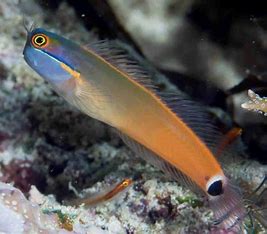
point(39, 40)
point(216, 188)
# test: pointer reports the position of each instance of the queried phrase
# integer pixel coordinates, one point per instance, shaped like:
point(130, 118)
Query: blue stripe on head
point(45, 65)
point(47, 60)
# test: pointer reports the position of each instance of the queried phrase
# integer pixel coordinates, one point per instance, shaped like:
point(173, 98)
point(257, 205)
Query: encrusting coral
point(18, 215)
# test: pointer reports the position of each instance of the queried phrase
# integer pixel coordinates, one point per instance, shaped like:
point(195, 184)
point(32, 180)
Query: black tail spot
point(215, 188)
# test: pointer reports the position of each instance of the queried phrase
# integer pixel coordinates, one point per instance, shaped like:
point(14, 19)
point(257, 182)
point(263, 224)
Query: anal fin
point(160, 163)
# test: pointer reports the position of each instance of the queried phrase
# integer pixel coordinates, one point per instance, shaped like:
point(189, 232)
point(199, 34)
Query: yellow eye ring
point(39, 40)
point(125, 183)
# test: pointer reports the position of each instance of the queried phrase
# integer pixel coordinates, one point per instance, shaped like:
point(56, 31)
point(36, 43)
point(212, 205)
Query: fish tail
point(228, 208)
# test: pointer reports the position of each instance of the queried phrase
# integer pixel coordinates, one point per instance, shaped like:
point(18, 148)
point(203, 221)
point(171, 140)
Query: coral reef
point(47, 143)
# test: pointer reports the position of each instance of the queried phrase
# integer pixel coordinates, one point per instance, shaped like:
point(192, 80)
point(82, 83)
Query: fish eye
point(39, 40)
point(216, 188)
point(126, 182)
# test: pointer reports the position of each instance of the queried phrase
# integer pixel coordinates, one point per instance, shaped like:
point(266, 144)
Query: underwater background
point(214, 51)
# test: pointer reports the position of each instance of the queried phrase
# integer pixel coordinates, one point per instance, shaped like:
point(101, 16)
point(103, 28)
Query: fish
point(168, 130)
point(256, 103)
point(103, 196)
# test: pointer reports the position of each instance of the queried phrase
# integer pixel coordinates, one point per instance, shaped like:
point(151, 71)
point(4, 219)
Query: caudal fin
point(228, 208)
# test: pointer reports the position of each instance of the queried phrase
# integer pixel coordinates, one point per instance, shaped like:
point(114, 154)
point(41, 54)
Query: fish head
point(51, 56)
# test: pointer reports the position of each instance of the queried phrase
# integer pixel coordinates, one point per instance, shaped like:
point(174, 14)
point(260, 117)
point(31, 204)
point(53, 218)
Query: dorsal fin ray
point(120, 58)
point(192, 113)
point(195, 116)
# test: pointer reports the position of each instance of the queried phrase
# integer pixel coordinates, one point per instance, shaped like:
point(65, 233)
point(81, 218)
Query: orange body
point(139, 113)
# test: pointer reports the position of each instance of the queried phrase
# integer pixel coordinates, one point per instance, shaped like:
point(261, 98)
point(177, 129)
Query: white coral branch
point(256, 103)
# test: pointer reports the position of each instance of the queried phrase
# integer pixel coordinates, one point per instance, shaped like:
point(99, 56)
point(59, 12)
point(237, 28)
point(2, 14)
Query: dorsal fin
point(192, 113)
point(120, 58)
point(195, 116)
